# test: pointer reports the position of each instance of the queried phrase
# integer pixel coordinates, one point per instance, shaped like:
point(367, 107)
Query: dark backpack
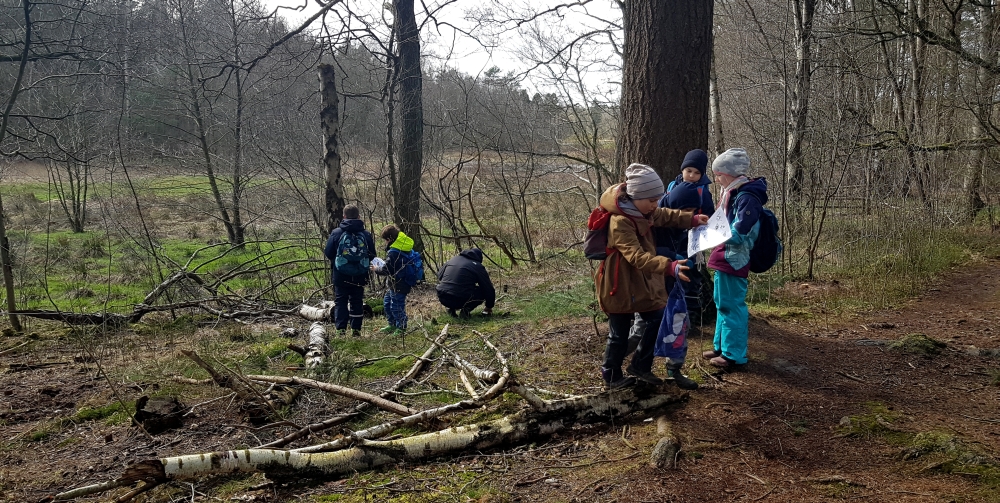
point(413, 271)
point(352, 254)
point(767, 249)
point(595, 244)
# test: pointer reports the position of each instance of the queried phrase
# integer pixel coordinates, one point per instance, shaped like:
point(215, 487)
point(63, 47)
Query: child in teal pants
point(743, 198)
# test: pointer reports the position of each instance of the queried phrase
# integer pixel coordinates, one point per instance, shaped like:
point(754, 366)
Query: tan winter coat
point(631, 280)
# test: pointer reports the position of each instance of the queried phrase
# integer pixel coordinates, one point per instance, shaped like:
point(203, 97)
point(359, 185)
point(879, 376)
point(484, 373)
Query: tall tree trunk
point(715, 109)
point(795, 166)
point(918, 51)
point(8, 273)
point(411, 114)
point(667, 57)
point(330, 121)
point(973, 182)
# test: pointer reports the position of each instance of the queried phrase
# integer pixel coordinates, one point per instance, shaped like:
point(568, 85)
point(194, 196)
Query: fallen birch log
point(317, 349)
point(414, 371)
point(320, 313)
point(518, 428)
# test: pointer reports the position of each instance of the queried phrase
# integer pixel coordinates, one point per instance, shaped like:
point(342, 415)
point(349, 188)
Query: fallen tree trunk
point(414, 371)
point(321, 313)
point(317, 349)
point(528, 425)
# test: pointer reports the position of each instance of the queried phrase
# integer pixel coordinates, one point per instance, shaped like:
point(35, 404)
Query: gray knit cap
point(641, 182)
point(733, 162)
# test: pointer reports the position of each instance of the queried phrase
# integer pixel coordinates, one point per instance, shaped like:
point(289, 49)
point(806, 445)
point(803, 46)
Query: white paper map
point(710, 235)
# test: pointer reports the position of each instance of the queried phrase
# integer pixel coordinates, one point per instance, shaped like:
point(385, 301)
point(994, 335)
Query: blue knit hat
point(696, 158)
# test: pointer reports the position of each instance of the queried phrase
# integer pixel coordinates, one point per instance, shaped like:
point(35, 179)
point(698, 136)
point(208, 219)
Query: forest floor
point(826, 410)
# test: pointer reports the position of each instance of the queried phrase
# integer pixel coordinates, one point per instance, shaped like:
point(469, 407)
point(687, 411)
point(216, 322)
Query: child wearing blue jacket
point(689, 191)
point(743, 198)
point(398, 255)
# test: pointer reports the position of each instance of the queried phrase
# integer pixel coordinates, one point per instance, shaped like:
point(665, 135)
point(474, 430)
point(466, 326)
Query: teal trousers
point(731, 325)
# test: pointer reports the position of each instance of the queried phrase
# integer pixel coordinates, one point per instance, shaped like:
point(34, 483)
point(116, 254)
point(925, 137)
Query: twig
point(851, 377)
point(762, 496)
point(992, 421)
point(8, 350)
point(584, 488)
point(146, 486)
point(206, 402)
point(379, 402)
point(467, 384)
point(188, 380)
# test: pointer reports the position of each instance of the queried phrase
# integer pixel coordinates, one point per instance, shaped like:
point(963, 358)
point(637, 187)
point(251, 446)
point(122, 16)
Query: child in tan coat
point(630, 280)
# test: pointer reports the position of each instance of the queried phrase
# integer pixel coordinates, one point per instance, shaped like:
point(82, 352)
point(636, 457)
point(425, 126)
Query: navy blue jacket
point(743, 210)
point(682, 195)
point(464, 276)
point(348, 225)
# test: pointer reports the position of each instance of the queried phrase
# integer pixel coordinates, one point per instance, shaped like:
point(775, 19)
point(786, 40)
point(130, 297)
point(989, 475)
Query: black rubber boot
point(682, 381)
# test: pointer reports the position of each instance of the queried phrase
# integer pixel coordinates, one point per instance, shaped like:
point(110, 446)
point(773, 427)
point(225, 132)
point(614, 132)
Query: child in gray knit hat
point(630, 279)
point(743, 199)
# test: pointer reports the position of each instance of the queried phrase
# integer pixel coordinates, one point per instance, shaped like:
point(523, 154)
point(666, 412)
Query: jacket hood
point(757, 187)
point(352, 225)
point(474, 254)
point(609, 199)
point(402, 243)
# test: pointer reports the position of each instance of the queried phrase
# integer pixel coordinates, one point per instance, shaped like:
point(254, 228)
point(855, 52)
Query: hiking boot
point(646, 376)
point(621, 382)
point(711, 354)
point(355, 333)
point(452, 313)
point(682, 381)
point(387, 329)
point(341, 332)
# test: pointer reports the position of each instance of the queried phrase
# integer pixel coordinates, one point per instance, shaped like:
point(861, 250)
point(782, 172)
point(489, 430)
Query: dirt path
point(823, 412)
point(781, 430)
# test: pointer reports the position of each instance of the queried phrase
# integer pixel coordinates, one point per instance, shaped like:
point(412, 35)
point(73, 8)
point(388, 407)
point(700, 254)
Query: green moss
point(876, 422)
point(919, 344)
point(383, 368)
point(113, 413)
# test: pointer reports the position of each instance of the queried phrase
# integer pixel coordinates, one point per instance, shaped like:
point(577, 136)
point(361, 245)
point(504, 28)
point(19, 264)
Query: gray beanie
point(733, 162)
point(641, 182)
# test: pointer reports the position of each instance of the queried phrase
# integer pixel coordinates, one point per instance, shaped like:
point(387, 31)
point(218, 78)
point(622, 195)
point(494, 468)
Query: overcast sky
point(444, 46)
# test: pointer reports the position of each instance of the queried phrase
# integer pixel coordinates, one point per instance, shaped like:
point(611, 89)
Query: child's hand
point(702, 219)
point(677, 271)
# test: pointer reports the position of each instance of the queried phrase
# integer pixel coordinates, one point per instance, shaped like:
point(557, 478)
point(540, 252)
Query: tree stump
point(157, 415)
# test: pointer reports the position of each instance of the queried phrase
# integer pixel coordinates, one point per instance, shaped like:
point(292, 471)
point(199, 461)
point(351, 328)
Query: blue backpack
point(767, 249)
point(352, 254)
point(414, 269)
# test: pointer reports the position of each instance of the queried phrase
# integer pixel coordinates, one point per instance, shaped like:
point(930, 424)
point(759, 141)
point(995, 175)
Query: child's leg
point(719, 317)
point(635, 333)
point(399, 309)
point(732, 328)
point(390, 316)
point(614, 352)
point(340, 296)
point(642, 360)
point(356, 300)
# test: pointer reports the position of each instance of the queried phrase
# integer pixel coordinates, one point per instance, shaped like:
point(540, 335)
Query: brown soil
point(769, 433)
